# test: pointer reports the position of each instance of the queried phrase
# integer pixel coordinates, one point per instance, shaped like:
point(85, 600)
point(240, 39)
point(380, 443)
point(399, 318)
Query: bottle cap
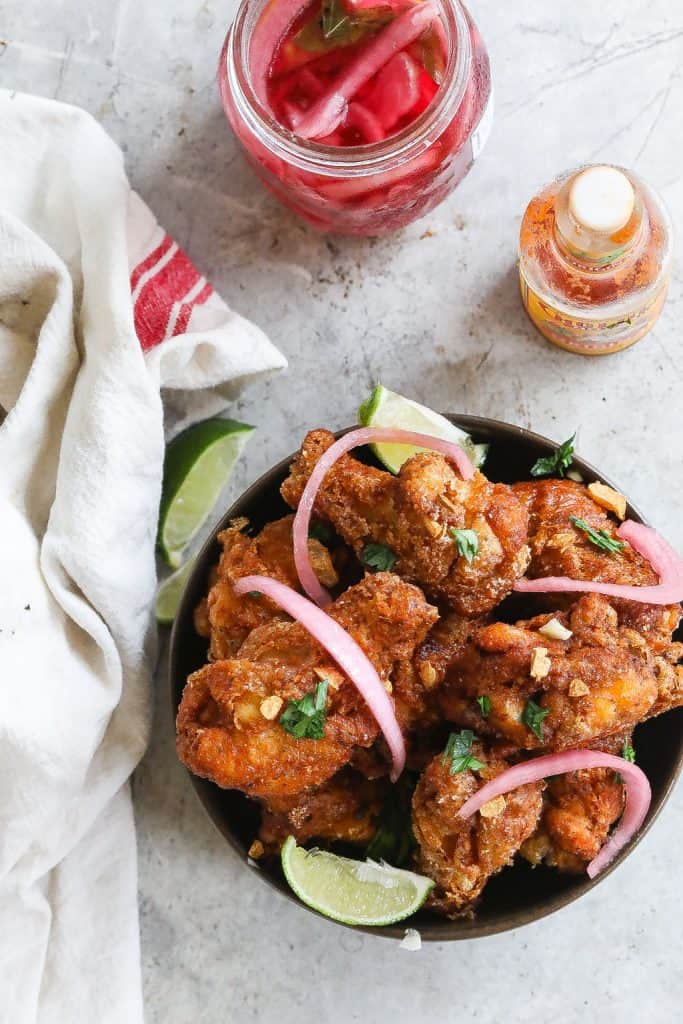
point(601, 200)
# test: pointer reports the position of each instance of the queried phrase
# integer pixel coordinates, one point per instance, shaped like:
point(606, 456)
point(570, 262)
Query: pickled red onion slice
point(339, 190)
point(274, 21)
point(401, 32)
point(397, 90)
point(324, 116)
point(365, 122)
point(370, 5)
point(665, 561)
point(638, 793)
point(345, 651)
point(354, 439)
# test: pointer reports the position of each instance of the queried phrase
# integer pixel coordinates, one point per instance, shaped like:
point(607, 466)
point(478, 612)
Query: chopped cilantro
point(484, 705)
point(305, 718)
point(459, 753)
point(467, 543)
point(378, 557)
point(253, 593)
point(628, 753)
point(559, 462)
point(533, 716)
point(600, 538)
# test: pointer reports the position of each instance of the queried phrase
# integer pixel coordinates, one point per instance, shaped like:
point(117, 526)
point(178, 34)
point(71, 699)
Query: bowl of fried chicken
point(473, 674)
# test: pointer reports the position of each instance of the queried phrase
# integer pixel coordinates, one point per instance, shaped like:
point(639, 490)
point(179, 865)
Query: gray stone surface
point(432, 311)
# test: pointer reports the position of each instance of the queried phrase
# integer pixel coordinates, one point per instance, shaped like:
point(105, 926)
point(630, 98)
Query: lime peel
point(170, 592)
point(197, 466)
point(384, 408)
point(350, 891)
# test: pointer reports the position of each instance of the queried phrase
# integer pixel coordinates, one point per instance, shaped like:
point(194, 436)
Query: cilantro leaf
point(484, 703)
point(394, 841)
point(378, 557)
point(321, 532)
point(600, 538)
point(467, 543)
point(459, 753)
point(305, 719)
point(559, 462)
point(533, 716)
point(628, 753)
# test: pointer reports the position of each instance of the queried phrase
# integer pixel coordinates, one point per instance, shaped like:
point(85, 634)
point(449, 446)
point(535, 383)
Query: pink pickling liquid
point(349, 78)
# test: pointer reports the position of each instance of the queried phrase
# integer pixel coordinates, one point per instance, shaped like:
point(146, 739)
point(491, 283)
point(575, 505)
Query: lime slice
point(385, 408)
point(197, 466)
point(352, 891)
point(169, 593)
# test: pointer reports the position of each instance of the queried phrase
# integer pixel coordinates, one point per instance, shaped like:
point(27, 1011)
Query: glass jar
point(379, 187)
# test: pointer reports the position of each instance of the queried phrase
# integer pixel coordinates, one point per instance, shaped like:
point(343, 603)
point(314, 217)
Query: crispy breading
point(614, 664)
point(579, 809)
point(269, 553)
point(560, 549)
point(222, 733)
point(343, 810)
point(461, 855)
point(414, 513)
point(416, 682)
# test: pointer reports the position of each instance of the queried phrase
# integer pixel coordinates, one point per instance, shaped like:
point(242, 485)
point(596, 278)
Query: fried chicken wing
point(416, 682)
point(560, 549)
point(600, 681)
point(414, 513)
point(228, 619)
point(579, 810)
point(228, 722)
point(344, 810)
point(461, 855)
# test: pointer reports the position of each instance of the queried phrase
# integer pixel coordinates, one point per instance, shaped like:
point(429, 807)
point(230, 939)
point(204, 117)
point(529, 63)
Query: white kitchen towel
point(99, 310)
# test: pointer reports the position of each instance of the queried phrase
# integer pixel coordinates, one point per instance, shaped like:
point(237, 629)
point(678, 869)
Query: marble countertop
point(434, 312)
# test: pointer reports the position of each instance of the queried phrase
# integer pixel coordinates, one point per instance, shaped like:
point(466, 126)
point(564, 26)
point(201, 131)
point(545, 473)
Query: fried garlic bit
point(270, 707)
point(608, 498)
point(540, 663)
point(492, 808)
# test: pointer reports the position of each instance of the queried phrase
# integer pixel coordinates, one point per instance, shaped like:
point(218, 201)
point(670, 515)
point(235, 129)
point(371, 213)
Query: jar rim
point(347, 161)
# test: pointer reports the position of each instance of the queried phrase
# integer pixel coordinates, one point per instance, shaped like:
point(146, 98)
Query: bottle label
point(481, 133)
point(594, 336)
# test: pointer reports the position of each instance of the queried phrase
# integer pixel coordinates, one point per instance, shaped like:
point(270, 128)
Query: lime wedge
point(385, 408)
point(169, 593)
point(352, 891)
point(197, 466)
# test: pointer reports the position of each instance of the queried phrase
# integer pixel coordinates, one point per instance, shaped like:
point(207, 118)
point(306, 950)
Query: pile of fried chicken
point(475, 691)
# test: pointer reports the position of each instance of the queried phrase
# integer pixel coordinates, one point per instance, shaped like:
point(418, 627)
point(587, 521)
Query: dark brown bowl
point(518, 895)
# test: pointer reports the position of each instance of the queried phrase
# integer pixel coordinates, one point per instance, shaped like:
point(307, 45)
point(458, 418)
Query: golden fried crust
point(224, 731)
point(579, 810)
point(344, 810)
point(222, 734)
point(270, 553)
point(560, 549)
point(601, 681)
point(413, 514)
point(461, 855)
point(416, 682)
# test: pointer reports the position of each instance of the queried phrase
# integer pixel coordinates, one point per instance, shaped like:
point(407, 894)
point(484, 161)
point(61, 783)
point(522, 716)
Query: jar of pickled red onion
point(359, 115)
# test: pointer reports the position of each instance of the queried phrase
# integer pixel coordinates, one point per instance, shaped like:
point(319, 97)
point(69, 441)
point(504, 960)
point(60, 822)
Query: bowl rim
point(438, 931)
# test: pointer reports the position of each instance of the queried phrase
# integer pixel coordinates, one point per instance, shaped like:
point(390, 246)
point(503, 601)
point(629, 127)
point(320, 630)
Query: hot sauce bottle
point(594, 259)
